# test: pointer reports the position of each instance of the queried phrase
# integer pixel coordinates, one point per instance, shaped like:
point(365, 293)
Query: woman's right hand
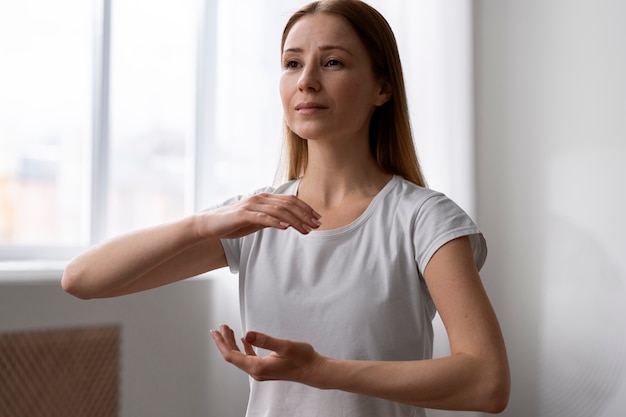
point(258, 212)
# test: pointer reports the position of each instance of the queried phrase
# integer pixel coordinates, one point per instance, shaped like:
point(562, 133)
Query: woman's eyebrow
point(332, 47)
point(321, 48)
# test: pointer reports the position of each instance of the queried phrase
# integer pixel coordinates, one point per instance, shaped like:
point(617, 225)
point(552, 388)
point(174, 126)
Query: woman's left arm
point(474, 377)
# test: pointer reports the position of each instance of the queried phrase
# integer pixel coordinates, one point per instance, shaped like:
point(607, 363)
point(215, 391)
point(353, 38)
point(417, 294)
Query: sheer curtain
point(434, 38)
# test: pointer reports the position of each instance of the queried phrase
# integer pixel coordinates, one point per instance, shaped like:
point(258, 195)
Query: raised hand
point(260, 211)
point(288, 361)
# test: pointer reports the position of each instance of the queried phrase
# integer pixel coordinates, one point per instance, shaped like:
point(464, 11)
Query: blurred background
point(120, 114)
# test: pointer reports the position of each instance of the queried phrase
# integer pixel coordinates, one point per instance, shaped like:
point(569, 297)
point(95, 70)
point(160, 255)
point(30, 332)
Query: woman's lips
point(309, 107)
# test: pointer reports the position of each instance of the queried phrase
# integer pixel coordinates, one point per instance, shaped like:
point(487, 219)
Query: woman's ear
point(384, 94)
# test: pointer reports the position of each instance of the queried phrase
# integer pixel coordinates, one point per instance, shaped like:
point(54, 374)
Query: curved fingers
point(289, 360)
point(260, 211)
point(288, 210)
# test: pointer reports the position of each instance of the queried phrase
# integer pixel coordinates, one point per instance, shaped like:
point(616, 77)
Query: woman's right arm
point(141, 260)
point(170, 252)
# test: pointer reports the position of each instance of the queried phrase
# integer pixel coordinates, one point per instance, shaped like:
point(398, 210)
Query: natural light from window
point(119, 114)
point(153, 45)
point(45, 113)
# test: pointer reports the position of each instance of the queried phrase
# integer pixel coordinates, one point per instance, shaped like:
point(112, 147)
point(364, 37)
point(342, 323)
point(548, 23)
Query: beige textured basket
point(63, 372)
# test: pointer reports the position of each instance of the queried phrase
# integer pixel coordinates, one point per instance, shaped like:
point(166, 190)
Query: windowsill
point(23, 272)
point(33, 272)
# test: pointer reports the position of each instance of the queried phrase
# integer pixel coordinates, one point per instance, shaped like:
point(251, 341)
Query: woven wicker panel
point(67, 372)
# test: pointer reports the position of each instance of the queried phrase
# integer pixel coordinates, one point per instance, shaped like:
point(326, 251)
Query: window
point(151, 96)
point(45, 112)
point(117, 114)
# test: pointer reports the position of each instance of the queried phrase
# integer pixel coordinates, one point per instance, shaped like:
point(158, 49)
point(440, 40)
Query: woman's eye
point(333, 63)
point(291, 64)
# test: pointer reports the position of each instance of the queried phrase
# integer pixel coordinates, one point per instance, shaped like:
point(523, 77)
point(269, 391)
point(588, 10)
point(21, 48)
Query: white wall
point(169, 365)
point(551, 156)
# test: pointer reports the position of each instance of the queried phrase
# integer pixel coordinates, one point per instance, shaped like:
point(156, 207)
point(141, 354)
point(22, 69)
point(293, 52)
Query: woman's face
point(328, 88)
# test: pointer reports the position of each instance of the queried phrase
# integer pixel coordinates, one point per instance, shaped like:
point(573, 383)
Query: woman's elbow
point(72, 283)
point(497, 401)
point(496, 392)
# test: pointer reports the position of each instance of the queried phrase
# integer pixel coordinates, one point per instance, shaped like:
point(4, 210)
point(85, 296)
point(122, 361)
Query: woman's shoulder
point(289, 187)
point(414, 200)
point(411, 193)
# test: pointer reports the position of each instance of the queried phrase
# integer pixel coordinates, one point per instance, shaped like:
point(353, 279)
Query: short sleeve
point(440, 220)
point(232, 250)
point(232, 247)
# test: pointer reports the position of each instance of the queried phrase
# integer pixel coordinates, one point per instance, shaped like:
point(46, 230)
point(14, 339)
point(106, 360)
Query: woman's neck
point(335, 176)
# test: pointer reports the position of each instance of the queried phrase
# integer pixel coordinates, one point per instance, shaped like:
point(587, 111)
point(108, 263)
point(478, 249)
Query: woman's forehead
point(321, 30)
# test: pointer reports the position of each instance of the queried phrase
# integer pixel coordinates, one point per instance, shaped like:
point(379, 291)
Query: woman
point(342, 267)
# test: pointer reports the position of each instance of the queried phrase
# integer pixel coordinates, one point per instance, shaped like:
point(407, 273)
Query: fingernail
point(316, 214)
point(306, 227)
point(316, 222)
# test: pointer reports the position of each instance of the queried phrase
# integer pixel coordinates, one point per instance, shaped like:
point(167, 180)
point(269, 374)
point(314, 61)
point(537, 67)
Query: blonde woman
point(343, 266)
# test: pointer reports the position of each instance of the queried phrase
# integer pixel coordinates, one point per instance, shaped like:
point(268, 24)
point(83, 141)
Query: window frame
point(19, 257)
point(98, 213)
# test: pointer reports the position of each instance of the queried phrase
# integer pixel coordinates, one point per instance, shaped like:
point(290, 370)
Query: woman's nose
point(309, 79)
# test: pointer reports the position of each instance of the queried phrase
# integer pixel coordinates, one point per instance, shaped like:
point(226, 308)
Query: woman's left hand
point(289, 360)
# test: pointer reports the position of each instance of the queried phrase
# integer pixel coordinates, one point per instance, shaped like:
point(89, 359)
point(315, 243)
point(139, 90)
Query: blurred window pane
point(152, 109)
point(45, 113)
point(248, 70)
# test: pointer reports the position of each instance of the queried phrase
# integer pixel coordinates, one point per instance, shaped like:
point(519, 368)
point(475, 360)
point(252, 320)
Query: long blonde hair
point(391, 140)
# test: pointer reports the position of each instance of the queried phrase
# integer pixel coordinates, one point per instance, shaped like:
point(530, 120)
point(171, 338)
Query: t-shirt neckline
point(371, 207)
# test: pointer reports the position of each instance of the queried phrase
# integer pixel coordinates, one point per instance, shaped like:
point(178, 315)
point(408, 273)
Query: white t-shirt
point(356, 292)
